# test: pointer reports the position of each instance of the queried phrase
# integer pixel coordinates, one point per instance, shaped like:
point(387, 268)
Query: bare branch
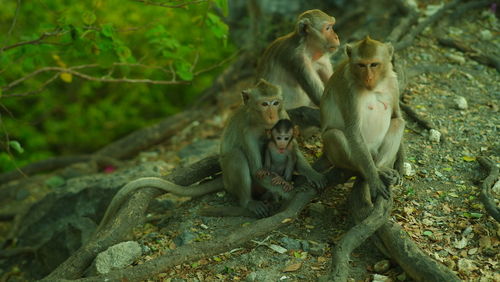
point(166, 5)
point(37, 41)
point(14, 21)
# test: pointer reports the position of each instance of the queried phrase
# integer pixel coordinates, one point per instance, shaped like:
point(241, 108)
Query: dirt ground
point(438, 204)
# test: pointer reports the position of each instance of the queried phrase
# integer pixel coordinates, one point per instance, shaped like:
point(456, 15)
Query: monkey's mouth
point(281, 150)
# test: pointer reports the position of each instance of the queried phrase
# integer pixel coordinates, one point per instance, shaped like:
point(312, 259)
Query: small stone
point(117, 256)
point(317, 208)
point(401, 277)
point(496, 188)
point(382, 266)
point(427, 222)
point(434, 136)
point(381, 278)
point(461, 103)
point(455, 58)
point(251, 277)
point(466, 266)
point(291, 244)
point(408, 170)
point(184, 238)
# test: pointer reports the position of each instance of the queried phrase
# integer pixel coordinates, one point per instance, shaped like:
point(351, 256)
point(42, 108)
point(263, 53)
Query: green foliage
point(112, 39)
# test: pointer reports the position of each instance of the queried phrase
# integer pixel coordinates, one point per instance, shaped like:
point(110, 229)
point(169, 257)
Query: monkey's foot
point(261, 173)
point(259, 208)
point(278, 180)
point(389, 176)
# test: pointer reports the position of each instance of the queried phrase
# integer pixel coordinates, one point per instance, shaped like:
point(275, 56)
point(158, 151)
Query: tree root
point(397, 243)
point(474, 54)
point(53, 164)
point(196, 251)
point(131, 214)
point(486, 197)
point(120, 149)
point(408, 39)
point(355, 237)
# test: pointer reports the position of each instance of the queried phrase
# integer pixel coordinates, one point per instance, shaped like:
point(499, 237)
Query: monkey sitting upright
point(280, 154)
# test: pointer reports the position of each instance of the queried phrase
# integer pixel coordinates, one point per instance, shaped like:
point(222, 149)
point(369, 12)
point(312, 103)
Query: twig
point(416, 117)
point(408, 39)
point(147, 2)
point(485, 195)
point(39, 40)
point(14, 21)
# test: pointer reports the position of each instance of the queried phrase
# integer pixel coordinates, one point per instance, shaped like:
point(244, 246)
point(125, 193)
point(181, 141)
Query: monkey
point(155, 182)
point(280, 154)
point(361, 122)
point(242, 146)
point(299, 62)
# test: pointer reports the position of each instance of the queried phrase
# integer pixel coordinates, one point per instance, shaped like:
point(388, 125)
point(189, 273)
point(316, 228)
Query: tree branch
point(39, 40)
point(165, 5)
point(485, 195)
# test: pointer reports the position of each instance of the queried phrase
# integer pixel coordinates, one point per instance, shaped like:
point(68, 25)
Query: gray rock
point(317, 249)
point(184, 238)
point(117, 256)
point(381, 278)
point(291, 244)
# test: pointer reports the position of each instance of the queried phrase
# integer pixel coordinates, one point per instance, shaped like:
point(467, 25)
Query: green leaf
point(476, 215)
point(88, 17)
point(16, 146)
point(108, 30)
point(123, 52)
point(183, 70)
point(55, 181)
point(427, 233)
point(222, 4)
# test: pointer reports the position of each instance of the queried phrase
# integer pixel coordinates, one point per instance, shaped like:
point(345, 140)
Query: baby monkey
point(280, 154)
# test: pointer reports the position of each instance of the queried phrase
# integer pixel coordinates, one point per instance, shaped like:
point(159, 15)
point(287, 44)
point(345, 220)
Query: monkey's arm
point(267, 158)
point(252, 152)
point(290, 165)
point(360, 154)
point(315, 178)
point(311, 84)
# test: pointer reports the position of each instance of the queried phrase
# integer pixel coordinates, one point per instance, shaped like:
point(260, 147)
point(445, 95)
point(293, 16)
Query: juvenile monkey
point(299, 62)
point(242, 142)
point(361, 121)
point(280, 154)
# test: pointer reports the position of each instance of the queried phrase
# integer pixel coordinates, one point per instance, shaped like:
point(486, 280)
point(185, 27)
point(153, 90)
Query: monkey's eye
point(361, 65)
point(373, 65)
point(287, 138)
point(279, 138)
point(265, 104)
point(276, 103)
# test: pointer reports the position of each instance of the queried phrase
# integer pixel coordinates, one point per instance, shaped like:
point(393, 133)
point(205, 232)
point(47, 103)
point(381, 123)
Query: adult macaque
point(280, 154)
point(242, 143)
point(361, 122)
point(299, 62)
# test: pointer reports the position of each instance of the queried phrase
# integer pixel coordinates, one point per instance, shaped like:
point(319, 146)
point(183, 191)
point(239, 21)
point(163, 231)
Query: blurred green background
point(54, 113)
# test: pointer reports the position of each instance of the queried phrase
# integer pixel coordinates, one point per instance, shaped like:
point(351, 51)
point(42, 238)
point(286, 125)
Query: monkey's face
point(367, 72)
point(330, 37)
point(282, 139)
point(269, 109)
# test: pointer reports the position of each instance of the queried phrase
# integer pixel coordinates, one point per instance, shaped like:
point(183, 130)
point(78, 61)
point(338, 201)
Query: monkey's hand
point(259, 208)
point(389, 176)
point(261, 173)
point(378, 186)
point(318, 180)
point(278, 180)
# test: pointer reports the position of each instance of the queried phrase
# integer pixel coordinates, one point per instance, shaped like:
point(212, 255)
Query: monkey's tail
point(158, 183)
point(225, 211)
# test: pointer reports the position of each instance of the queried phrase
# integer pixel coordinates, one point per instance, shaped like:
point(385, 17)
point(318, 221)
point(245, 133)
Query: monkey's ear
point(296, 131)
point(245, 94)
point(390, 48)
point(348, 50)
point(269, 133)
point(302, 26)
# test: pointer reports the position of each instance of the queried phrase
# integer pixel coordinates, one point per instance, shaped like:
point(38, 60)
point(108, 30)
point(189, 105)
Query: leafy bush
point(81, 51)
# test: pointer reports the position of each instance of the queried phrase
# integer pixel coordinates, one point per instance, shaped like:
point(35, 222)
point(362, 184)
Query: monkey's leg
point(237, 181)
point(338, 150)
point(390, 146)
point(341, 153)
